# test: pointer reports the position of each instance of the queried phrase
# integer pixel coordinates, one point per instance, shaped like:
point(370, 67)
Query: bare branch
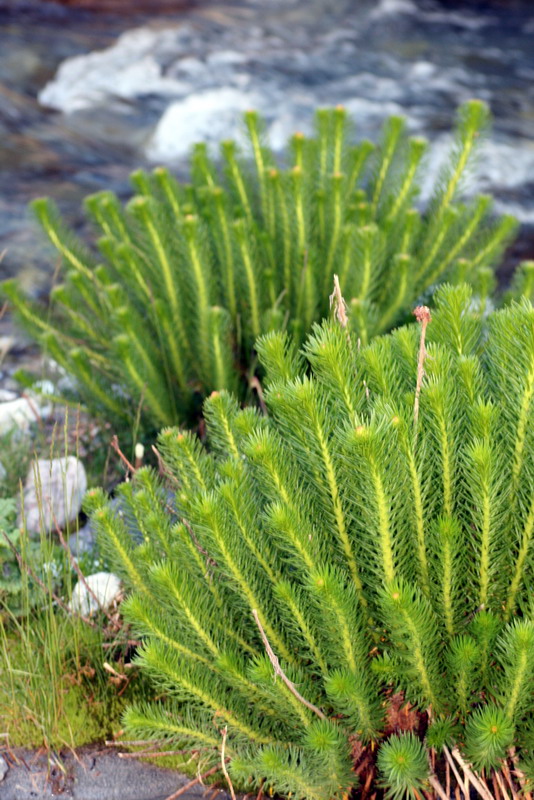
point(436, 785)
point(519, 775)
point(498, 778)
point(461, 784)
point(198, 779)
point(279, 671)
point(338, 304)
point(470, 775)
point(115, 445)
point(223, 762)
point(422, 315)
point(255, 384)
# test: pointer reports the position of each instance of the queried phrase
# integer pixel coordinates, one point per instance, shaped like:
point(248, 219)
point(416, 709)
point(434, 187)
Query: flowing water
point(86, 97)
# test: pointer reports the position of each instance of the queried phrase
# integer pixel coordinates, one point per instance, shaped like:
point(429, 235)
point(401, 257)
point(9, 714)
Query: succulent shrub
point(370, 539)
point(187, 276)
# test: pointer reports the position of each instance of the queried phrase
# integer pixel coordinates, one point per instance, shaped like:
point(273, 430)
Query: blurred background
point(91, 89)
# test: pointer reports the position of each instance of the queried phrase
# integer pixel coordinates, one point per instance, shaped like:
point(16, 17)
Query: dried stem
point(422, 315)
point(194, 782)
point(223, 762)
point(338, 304)
point(159, 753)
point(459, 780)
point(279, 671)
point(498, 778)
point(255, 384)
point(470, 775)
point(438, 788)
point(115, 445)
point(131, 743)
point(519, 775)
point(506, 772)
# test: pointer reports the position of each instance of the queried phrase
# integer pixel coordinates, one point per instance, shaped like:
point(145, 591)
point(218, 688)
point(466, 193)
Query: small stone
point(105, 586)
point(3, 768)
point(53, 493)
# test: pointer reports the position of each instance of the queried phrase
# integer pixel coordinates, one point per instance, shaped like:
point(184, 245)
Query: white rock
point(210, 116)
point(386, 8)
point(53, 493)
point(84, 81)
point(6, 396)
point(105, 586)
point(19, 413)
point(3, 768)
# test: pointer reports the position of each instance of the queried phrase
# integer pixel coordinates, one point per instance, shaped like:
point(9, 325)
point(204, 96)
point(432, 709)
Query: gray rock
point(93, 773)
point(53, 493)
point(3, 768)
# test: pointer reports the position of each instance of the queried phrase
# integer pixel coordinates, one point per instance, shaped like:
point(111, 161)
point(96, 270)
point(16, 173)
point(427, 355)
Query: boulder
point(53, 493)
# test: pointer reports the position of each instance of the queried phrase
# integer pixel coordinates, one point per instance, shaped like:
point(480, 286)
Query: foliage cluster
point(187, 276)
point(374, 533)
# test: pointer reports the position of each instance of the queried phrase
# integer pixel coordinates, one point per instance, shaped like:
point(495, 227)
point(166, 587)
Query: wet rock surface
point(92, 773)
point(67, 128)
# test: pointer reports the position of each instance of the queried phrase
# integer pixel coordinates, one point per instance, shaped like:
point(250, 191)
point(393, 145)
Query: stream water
point(86, 97)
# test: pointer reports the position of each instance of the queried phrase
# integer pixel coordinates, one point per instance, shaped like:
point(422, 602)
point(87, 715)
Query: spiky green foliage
point(404, 767)
point(187, 276)
point(372, 548)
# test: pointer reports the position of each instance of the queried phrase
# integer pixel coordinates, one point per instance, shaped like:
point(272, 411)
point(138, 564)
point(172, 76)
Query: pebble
point(105, 586)
point(53, 493)
point(3, 768)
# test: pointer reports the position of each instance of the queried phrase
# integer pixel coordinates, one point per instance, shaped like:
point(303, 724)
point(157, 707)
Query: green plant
point(11, 536)
point(372, 535)
point(189, 275)
point(55, 690)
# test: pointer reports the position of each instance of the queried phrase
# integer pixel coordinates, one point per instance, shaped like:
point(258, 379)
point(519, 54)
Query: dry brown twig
point(519, 775)
point(422, 315)
point(480, 787)
point(461, 783)
point(223, 762)
point(338, 304)
point(114, 444)
point(507, 774)
point(280, 672)
point(498, 777)
point(158, 753)
point(194, 782)
point(256, 385)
